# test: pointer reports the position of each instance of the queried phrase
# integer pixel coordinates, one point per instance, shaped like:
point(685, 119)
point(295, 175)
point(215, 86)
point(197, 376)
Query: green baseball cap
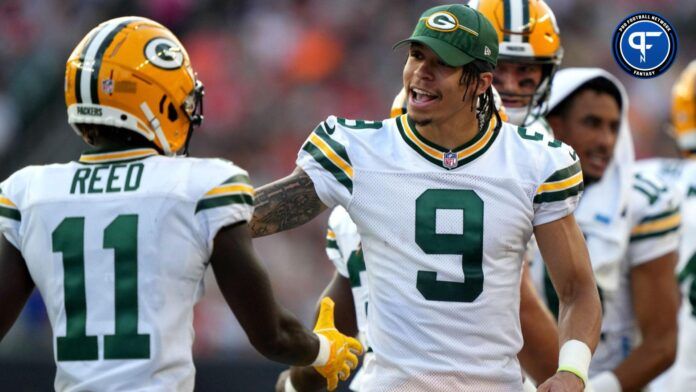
point(457, 34)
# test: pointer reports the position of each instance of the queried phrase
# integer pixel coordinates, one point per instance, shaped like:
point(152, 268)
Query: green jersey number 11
point(121, 236)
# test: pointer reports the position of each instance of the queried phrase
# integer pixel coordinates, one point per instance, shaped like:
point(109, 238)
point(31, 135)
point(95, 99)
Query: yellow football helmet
point(684, 109)
point(528, 33)
point(133, 73)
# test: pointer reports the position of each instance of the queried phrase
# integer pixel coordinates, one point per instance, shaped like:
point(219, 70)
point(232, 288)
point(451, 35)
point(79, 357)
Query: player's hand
point(562, 382)
point(344, 350)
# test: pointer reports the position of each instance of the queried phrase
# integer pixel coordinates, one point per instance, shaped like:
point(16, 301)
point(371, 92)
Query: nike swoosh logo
point(329, 130)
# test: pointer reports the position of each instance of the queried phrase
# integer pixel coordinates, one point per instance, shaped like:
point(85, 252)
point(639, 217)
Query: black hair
point(600, 84)
point(486, 103)
point(99, 135)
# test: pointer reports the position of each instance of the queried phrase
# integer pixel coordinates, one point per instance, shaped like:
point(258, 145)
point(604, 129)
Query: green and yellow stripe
point(435, 154)
point(331, 239)
point(657, 225)
point(117, 156)
point(8, 209)
point(331, 155)
point(235, 190)
point(561, 185)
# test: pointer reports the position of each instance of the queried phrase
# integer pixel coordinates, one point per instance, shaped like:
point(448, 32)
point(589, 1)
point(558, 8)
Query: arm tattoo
point(285, 204)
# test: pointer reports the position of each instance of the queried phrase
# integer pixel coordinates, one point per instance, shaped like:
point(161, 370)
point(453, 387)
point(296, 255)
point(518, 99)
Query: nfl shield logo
point(108, 86)
point(449, 160)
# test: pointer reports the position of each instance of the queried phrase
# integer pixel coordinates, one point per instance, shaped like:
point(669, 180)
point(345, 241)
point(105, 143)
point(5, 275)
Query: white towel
point(602, 210)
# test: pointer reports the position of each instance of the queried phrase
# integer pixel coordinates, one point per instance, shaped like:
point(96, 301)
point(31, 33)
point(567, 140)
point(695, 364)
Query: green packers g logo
point(164, 53)
point(442, 21)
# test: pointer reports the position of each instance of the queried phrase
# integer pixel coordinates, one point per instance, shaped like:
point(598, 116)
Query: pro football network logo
point(644, 45)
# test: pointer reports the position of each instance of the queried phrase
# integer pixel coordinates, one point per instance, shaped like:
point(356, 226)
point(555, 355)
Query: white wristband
point(575, 358)
point(605, 382)
point(288, 385)
point(324, 351)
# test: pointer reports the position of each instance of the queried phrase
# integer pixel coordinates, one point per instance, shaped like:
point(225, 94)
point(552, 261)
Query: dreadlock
point(486, 104)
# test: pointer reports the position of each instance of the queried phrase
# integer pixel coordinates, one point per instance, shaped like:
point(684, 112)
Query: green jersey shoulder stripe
point(659, 216)
point(340, 175)
point(639, 237)
point(567, 172)
point(323, 131)
point(222, 201)
point(10, 213)
point(559, 195)
point(331, 244)
point(239, 178)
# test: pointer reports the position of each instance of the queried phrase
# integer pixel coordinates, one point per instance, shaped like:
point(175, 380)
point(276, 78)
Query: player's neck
point(451, 132)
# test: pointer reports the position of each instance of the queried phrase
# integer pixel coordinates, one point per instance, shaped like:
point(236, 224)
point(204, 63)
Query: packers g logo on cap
point(442, 21)
point(164, 53)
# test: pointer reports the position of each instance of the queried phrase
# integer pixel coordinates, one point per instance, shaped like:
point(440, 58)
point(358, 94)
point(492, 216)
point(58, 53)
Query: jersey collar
point(440, 156)
point(116, 155)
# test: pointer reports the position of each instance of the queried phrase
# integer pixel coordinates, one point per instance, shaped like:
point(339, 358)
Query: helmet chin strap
point(155, 124)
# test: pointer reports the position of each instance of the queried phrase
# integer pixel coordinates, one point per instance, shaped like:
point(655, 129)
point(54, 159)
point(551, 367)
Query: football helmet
point(528, 33)
point(133, 73)
point(684, 110)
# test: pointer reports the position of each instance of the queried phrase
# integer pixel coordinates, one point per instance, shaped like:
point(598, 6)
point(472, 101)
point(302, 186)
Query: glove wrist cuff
point(324, 351)
point(288, 385)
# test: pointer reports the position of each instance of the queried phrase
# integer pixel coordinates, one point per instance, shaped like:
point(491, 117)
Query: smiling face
point(591, 126)
point(435, 91)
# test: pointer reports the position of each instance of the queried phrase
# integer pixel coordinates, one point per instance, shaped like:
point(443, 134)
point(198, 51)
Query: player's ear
point(485, 81)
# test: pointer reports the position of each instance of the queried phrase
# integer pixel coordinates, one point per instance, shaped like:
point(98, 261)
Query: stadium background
point(272, 70)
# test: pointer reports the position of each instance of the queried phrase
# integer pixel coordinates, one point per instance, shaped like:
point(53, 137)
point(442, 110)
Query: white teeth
point(422, 92)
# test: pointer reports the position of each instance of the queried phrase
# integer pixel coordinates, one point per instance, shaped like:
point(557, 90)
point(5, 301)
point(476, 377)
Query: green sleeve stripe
point(332, 244)
point(237, 179)
point(338, 148)
point(10, 213)
point(654, 234)
point(222, 201)
point(326, 163)
point(659, 216)
point(565, 173)
point(559, 195)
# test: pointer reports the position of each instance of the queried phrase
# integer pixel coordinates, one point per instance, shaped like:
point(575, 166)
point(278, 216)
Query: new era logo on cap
point(487, 51)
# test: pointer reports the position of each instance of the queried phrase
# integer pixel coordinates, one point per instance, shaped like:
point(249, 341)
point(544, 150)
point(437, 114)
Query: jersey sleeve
point(657, 217)
point(228, 202)
point(334, 253)
point(10, 217)
point(324, 157)
point(559, 193)
point(13, 192)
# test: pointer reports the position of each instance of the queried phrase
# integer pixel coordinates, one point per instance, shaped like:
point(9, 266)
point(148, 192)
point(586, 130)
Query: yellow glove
point(342, 352)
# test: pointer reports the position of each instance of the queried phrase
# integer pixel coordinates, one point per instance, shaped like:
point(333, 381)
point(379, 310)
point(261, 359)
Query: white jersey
point(654, 217)
point(344, 251)
point(117, 244)
point(682, 175)
point(443, 234)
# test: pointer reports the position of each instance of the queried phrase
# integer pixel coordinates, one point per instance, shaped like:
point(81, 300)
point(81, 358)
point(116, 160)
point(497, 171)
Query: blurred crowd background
point(272, 70)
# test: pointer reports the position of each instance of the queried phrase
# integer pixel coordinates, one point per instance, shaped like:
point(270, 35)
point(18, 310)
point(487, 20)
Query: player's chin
point(420, 119)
